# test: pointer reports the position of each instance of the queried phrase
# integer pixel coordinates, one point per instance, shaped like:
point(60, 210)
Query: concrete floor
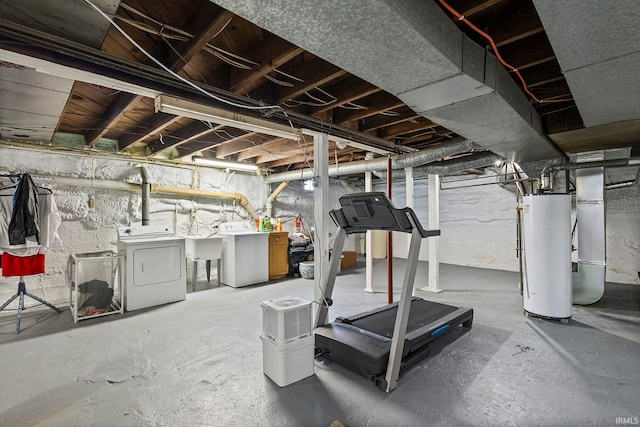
point(199, 363)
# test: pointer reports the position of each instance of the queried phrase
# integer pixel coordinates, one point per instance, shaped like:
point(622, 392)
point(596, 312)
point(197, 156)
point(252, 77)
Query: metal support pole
point(368, 187)
point(389, 238)
point(434, 243)
point(404, 306)
point(320, 209)
point(408, 173)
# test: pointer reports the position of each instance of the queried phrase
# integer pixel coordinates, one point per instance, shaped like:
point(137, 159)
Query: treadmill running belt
point(422, 313)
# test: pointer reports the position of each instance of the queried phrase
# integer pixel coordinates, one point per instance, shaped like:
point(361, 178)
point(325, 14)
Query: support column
point(389, 238)
point(320, 211)
point(434, 242)
point(410, 202)
point(368, 187)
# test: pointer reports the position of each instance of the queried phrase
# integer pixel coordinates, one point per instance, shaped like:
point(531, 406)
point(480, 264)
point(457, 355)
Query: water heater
point(547, 287)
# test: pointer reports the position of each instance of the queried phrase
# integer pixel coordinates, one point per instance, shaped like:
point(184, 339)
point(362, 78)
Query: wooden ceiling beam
point(153, 125)
point(114, 112)
point(479, 8)
point(271, 54)
point(125, 101)
point(316, 72)
point(270, 157)
point(218, 136)
point(346, 91)
point(381, 121)
point(278, 145)
point(287, 161)
point(236, 145)
point(406, 127)
point(206, 30)
point(425, 136)
point(526, 51)
point(183, 135)
point(376, 103)
point(512, 30)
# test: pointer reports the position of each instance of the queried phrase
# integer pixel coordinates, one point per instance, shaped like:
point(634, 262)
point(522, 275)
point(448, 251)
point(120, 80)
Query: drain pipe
point(273, 197)
point(146, 188)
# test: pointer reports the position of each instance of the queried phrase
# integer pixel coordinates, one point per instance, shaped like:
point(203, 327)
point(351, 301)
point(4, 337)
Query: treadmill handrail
point(361, 212)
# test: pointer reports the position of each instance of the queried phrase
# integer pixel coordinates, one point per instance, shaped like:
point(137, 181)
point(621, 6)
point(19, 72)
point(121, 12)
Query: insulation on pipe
point(273, 197)
point(126, 186)
point(418, 158)
point(205, 193)
point(476, 160)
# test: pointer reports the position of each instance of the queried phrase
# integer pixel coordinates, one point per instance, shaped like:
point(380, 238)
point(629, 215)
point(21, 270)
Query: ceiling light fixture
point(225, 164)
point(181, 107)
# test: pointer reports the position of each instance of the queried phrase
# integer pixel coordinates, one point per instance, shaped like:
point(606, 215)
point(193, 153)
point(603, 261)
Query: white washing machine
point(155, 271)
point(245, 255)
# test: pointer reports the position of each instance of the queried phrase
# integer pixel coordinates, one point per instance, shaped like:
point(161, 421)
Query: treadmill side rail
point(404, 305)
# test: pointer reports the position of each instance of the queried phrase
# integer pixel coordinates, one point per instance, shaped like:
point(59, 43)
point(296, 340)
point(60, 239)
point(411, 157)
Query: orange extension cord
point(495, 49)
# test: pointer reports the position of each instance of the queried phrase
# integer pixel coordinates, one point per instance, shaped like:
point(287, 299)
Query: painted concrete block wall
point(477, 224)
point(93, 227)
point(623, 235)
point(478, 227)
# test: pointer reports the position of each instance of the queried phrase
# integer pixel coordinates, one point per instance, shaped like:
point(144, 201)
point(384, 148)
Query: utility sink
point(198, 248)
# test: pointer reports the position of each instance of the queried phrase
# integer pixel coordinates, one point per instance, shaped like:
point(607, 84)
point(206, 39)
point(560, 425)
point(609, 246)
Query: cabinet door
point(278, 255)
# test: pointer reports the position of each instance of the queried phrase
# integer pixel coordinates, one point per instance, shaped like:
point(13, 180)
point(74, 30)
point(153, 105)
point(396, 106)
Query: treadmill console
point(362, 212)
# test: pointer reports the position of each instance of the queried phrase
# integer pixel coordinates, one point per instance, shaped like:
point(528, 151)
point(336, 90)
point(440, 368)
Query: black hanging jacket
point(25, 218)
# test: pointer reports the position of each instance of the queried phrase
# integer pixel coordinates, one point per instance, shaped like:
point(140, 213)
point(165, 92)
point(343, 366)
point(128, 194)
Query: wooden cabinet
point(278, 254)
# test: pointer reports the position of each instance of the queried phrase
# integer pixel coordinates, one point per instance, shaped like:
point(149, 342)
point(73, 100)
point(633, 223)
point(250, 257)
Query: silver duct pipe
point(476, 160)
point(430, 65)
point(588, 281)
point(419, 158)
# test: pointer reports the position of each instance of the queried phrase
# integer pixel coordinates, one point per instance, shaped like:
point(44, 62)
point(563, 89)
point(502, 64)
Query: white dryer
point(155, 266)
point(245, 255)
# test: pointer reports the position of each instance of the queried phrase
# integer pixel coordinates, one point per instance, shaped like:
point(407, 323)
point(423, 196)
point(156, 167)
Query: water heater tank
point(547, 287)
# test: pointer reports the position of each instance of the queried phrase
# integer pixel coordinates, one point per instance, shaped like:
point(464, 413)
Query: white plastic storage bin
point(96, 286)
point(287, 363)
point(286, 319)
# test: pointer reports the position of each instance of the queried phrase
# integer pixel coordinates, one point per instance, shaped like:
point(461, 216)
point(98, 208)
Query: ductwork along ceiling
point(386, 76)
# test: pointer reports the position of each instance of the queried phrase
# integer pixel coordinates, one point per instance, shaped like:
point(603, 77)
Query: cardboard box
point(349, 259)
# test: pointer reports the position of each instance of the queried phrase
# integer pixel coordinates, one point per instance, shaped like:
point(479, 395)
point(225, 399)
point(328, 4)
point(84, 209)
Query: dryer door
point(152, 266)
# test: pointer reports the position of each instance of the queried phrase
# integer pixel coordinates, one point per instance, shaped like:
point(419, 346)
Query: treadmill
point(381, 343)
